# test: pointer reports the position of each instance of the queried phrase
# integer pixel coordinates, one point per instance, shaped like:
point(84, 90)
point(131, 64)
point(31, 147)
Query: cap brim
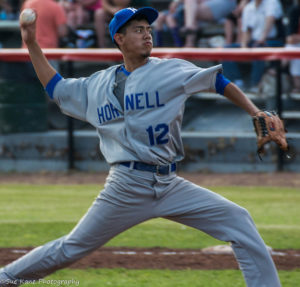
point(150, 13)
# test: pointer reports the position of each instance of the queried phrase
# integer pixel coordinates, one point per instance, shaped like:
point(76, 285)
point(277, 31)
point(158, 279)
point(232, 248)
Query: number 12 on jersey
point(158, 134)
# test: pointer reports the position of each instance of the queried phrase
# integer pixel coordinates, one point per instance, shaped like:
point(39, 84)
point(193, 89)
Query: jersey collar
point(127, 73)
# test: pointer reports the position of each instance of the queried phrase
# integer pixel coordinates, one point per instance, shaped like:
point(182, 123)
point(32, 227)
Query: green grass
point(162, 278)
point(43, 203)
point(31, 215)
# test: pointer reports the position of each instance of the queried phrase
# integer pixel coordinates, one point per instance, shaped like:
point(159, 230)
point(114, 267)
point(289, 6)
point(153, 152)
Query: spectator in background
point(293, 40)
point(9, 9)
point(90, 7)
point(104, 15)
point(80, 13)
point(259, 29)
point(140, 3)
point(51, 23)
point(173, 19)
point(99, 12)
point(91, 12)
point(74, 12)
point(233, 23)
point(205, 11)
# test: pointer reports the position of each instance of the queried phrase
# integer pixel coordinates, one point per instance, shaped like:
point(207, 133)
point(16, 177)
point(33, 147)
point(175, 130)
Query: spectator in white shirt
point(259, 22)
point(261, 27)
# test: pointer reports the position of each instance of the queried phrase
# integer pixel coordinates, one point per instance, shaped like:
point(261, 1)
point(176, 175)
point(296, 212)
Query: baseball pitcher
point(137, 108)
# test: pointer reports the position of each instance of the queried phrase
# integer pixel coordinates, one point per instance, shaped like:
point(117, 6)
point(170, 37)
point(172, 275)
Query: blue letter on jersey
point(147, 102)
point(138, 100)
point(129, 102)
point(142, 101)
point(107, 113)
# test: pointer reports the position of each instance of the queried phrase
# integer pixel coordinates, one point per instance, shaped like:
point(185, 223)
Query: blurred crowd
point(76, 23)
point(238, 23)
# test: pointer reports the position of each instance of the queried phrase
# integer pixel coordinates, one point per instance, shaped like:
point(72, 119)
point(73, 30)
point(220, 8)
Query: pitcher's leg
point(209, 212)
point(103, 221)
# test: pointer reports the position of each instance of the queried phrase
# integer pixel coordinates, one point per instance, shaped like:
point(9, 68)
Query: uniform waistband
point(158, 169)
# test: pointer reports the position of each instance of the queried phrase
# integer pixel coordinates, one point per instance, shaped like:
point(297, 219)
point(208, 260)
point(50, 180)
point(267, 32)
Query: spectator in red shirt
point(51, 23)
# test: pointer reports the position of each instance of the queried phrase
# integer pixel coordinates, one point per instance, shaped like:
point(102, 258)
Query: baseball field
point(37, 208)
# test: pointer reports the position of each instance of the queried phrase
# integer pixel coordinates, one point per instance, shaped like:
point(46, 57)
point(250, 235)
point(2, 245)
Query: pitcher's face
point(137, 39)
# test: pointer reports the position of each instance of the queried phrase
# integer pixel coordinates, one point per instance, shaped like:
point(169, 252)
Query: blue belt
point(159, 169)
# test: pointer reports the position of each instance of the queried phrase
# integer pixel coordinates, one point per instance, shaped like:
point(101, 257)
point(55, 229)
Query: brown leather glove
point(269, 127)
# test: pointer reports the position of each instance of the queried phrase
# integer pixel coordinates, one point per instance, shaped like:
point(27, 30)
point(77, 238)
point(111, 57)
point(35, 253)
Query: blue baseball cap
point(123, 16)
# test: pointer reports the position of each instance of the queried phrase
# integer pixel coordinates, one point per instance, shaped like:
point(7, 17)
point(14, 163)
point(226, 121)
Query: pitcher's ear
point(118, 38)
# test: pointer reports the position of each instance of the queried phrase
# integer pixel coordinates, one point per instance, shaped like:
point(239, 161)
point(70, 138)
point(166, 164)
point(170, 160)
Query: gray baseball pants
point(131, 197)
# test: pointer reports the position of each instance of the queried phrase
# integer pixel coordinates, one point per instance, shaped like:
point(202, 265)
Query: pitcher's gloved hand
point(269, 127)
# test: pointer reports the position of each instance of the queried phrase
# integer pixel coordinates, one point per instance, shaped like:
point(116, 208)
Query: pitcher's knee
point(74, 249)
point(241, 214)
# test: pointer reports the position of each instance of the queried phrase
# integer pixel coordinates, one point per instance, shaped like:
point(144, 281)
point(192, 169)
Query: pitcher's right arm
point(45, 72)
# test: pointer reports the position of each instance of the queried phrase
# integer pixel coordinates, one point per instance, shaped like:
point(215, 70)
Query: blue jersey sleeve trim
point(221, 83)
point(52, 83)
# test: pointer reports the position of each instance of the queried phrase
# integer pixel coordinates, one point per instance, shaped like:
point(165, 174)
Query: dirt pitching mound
point(162, 258)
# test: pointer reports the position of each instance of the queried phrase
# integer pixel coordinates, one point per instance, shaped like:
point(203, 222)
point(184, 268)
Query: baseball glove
point(269, 127)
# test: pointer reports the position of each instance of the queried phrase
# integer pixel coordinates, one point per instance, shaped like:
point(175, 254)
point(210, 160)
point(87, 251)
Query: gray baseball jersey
point(148, 129)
